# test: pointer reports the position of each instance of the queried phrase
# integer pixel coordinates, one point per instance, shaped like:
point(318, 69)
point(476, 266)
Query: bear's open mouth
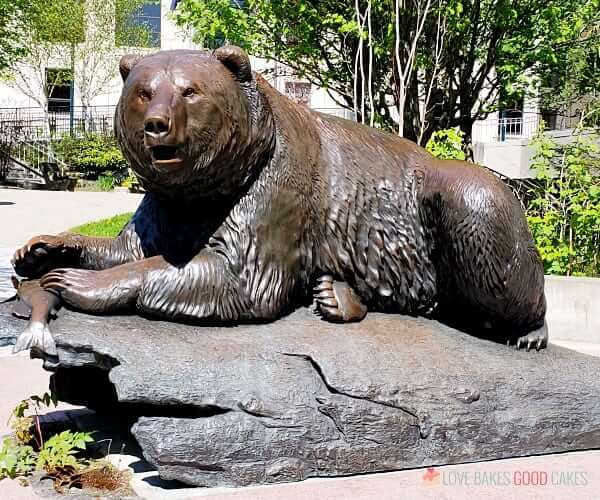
point(165, 154)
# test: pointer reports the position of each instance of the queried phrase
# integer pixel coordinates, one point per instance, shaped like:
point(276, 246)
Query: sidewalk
point(24, 214)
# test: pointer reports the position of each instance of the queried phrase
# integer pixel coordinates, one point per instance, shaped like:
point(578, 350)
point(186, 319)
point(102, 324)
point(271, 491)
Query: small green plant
point(446, 144)
point(60, 450)
point(106, 182)
point(26, 450)
point(16, 459)
point(21, 423)
point(130, 180)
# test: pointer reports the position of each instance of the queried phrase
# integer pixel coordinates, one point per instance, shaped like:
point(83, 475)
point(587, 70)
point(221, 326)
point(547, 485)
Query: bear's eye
point(144, 95)
point(189, 92)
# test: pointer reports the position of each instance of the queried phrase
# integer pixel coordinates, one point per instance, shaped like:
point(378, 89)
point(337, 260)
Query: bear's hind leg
point(337, 301)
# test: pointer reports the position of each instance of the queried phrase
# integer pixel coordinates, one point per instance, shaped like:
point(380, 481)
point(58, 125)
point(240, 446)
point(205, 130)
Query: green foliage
point(488, 45)
point(15, 459)
point(15, 18)
point(21, 423)
point(60, 450)
point(577, 74)
point(92, 155)
point(104, 228)
point(18, 457)
point(446, 144)
point(564, 212)
point(106, 182)
point(130, 181)
point(58, 21)
point(128, 31)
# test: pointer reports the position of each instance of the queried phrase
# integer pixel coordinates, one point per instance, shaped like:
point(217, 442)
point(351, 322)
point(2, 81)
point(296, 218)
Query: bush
point(92, 155)
point(446, 144)
point(564, 211)
point(106, 182)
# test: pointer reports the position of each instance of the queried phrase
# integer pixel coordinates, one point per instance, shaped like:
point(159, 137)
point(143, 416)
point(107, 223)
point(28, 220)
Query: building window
point(59, 86)
point(141, 28)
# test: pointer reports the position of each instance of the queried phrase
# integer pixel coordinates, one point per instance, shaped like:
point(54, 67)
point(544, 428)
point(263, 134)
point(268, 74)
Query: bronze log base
point(302, 397)
point(252, 199)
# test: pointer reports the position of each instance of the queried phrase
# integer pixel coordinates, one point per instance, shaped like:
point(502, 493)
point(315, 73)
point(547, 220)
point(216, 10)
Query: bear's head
point(192, 123)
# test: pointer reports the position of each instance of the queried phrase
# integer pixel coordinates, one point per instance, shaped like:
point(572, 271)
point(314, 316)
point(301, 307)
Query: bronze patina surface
point(252, 201)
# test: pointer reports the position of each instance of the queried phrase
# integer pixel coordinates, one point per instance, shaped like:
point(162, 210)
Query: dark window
point(141, 28)
point(59, 84)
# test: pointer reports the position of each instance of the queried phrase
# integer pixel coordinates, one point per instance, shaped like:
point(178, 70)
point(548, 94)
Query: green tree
point(446, 145)
point(564, 210)
point(15, 16)
point(79, 37)
point(465, 52)
point(573, 91)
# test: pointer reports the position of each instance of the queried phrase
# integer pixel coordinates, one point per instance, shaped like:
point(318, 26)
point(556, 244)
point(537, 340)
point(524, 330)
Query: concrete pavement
point(26, 213)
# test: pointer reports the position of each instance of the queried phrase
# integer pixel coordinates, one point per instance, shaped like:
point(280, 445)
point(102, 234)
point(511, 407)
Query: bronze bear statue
point(252, 200)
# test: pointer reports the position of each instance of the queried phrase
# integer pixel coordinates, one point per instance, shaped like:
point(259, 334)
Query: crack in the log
point(335, 422)
point(262, 416)
point(317, 368)
point(196, 465)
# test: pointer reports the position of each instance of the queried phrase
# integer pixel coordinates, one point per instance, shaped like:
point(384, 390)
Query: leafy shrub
point(106, 182)
point(26, 449)
point(446, 144)
point(564, 212)
point(92, 155)
point(60, 450)
point(15, 459)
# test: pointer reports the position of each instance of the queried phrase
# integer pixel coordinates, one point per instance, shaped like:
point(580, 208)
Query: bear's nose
point(157, 125)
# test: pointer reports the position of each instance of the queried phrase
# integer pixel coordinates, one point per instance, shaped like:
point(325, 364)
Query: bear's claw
point(337, 301)
point(536, 338)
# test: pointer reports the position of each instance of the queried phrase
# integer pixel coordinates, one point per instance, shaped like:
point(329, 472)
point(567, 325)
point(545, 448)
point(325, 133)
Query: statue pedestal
point(299, 398)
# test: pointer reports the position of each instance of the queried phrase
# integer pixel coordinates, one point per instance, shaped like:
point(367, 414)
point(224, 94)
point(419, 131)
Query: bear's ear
point(127, 62)
point(235, 60)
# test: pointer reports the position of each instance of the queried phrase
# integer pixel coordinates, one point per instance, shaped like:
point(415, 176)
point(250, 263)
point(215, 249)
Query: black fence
point(33, 123)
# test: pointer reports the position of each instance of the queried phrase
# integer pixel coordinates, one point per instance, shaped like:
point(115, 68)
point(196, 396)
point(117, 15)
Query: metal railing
point(34, 124)
point(38, 156)
point(505, 129)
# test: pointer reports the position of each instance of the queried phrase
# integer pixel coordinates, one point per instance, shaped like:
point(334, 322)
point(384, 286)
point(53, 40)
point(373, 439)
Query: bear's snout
point(157, 125)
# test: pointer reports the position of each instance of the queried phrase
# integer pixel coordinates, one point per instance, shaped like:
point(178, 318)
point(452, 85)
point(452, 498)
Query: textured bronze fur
point(258, 197)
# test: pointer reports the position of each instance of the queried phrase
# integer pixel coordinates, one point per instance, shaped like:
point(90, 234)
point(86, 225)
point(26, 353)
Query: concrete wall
point(510, 158)
point(573, 308)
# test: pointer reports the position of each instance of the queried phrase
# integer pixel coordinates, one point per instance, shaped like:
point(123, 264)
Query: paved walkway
point(26, 213)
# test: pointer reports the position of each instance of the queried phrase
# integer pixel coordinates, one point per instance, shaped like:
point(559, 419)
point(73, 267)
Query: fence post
point(502, 126)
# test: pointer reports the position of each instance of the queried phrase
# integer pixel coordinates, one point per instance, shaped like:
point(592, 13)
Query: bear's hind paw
point(337, 302)
point(537, 338)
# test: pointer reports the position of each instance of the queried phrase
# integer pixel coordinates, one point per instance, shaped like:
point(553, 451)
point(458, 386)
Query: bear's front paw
point(93, 291)
point(39, 255)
